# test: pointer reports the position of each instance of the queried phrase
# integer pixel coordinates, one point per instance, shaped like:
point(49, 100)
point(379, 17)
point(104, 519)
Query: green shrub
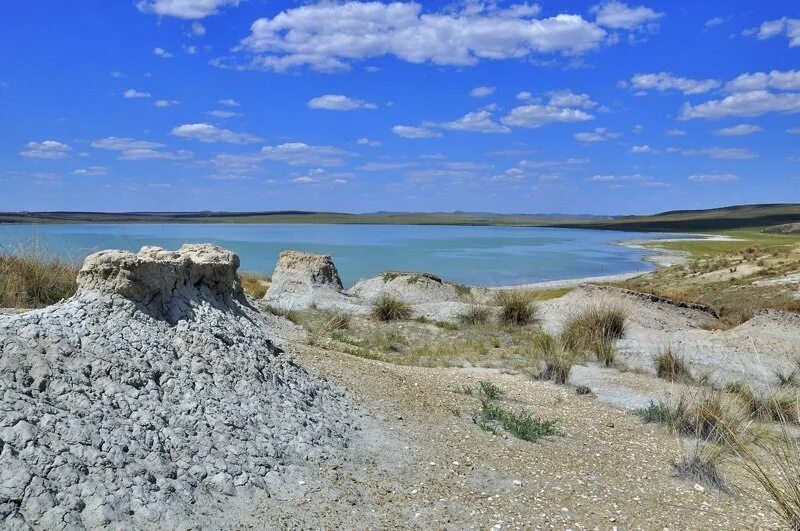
point(489, 390)
point(388, 308)
point(521, 424)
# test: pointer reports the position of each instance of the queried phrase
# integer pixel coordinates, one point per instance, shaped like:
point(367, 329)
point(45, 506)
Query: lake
point(487, 256)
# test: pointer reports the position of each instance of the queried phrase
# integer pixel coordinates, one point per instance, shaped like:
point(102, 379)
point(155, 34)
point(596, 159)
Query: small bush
point(701, 467)
point(475, 315)
point(253, 284)
point(655, 413)
point(606, 352)
point(490, 391)
point(556, 358)
point(705, 415)
point(521, 424)
point(517, 308)
point(33, 278)
point(671, 366)
point(388, 308)
point(597, 325)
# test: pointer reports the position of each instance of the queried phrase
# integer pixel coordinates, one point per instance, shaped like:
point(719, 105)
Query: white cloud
point(198, 30)
point(617, 15)
point(524, 95)
point(754, 103)
point(161, 52)
point(675, 132)
point(408, 131)
point(223, 114)
point(714, 178)
point(368, 142)
point(621, 180)
point(794, 131)
point(337, 102)
point(539, 115)
point(212, 134)
point(229, 103)
point(716, 21)
point(304, 180)
point(481, 92)
point(186, 9)
point(773, 28)
point(641, 149)
point(739, 130)
point(131, 149)
point(49, 149)
point(776, 79)
point(665, 81)
point(133, 93)
point(721, 153)
point(600, 134)
point(299, 154)
point(166, 103)
point(567, 98)
point(476, 122)
point(329, 36)
point(91, 171)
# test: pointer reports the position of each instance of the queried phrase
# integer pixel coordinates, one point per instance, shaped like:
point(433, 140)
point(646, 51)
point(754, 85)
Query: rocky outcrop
point(304, 280)
point(155, 387)
point(788, 228)
point(414, 288)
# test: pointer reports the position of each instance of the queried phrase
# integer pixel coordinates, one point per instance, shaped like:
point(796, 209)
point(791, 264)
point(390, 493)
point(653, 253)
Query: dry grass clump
point(388, 308)
point(596, 325)
point(517, 307)
point(556, 358)
point(705, 414)
point(671, 366)
point(700, 465)
point(254, 284)
point(475, 315)
point(33, 278)
point(782, 406)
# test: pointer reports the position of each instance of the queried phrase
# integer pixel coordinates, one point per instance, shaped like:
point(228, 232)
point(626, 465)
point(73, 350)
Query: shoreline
point(660, 259)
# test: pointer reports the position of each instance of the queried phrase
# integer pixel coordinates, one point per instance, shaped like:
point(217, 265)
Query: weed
point(671, 366)
point(490, 391)
point(253, 284)
point(700, 466)
point(606, 352)
point(556, 357)
point(388, 308)
point(521, 424)
point(33, 278)
point(517, 307)
point(655, 413)
point(599, 324)
point(475, 315)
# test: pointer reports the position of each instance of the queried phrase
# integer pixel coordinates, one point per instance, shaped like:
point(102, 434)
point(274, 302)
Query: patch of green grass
point(388, 308)
point(521, 424)
point(461, 290)
point(489, 390)
point(655, 412)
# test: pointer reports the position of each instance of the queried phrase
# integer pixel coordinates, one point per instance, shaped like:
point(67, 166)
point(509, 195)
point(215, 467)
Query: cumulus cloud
point(753, 103)
point(716, 21)
point(476, 122)
point(481, 92)
point(133, 93)
point(739, 130)
point(337, 102)
point(229, 102)
point(776, 79)
point(166, 103)
point(641, 149)
point(223, 114)
point(161, 52)
point(329, 36)
point(49, 149)
point(567, 98)
point(524, 95)
point(721, 153)
point(538, 115)
point(714, 178)
point(782, 26)
point(621, 180)
point(300, 154)
point(198, 30)
point(600, 134)
point(408, 131)
point(367, 142)
point(675, 132)
point(185, 9)
point(617, 15)
point(664, 81)
point(91, 171)
point(131, 149)
point(212, 134)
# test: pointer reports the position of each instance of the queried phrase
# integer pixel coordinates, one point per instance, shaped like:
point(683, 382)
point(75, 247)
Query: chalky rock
point(304, 280)
point(153, 388)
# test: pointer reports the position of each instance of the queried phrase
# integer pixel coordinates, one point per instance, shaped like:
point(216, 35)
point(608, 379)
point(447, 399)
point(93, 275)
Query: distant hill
point(733, 217)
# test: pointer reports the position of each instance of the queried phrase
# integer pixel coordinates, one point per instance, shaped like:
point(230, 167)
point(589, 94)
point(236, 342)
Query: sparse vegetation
point(671, 366)
point(705, 415)
point(388, 308)
point(594, 326)
point(700, 465)
point(475, 315)
point(517, 307)
point(30, 277)
point(254, 284)
point(489, 390)
point(521, 424)
point(555, 358)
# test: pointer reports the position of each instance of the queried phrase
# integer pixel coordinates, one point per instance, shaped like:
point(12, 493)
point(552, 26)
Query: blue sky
point(572, 107)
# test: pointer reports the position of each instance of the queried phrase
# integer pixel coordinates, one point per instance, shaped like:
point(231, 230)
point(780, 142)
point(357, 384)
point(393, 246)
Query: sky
point(252, 105)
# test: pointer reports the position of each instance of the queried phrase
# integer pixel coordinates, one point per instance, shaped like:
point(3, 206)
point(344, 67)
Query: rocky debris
point(154, 387)
point(304, 280)
point(788, 228)
point(414, 288)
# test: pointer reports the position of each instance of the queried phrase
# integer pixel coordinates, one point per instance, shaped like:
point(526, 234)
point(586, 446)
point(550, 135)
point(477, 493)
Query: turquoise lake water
point(488, 256)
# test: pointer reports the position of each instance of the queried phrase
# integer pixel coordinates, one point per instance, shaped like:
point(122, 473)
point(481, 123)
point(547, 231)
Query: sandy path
point(431, 468)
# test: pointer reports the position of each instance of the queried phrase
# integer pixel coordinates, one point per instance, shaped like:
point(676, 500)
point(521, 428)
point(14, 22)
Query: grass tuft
point(517, 307)
point(521, 424)
point(253, 284)
point(388, 308)
point(556, 358)
point(671, 366)
point(597, 325)
point(475, 315)
point(30, 277)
